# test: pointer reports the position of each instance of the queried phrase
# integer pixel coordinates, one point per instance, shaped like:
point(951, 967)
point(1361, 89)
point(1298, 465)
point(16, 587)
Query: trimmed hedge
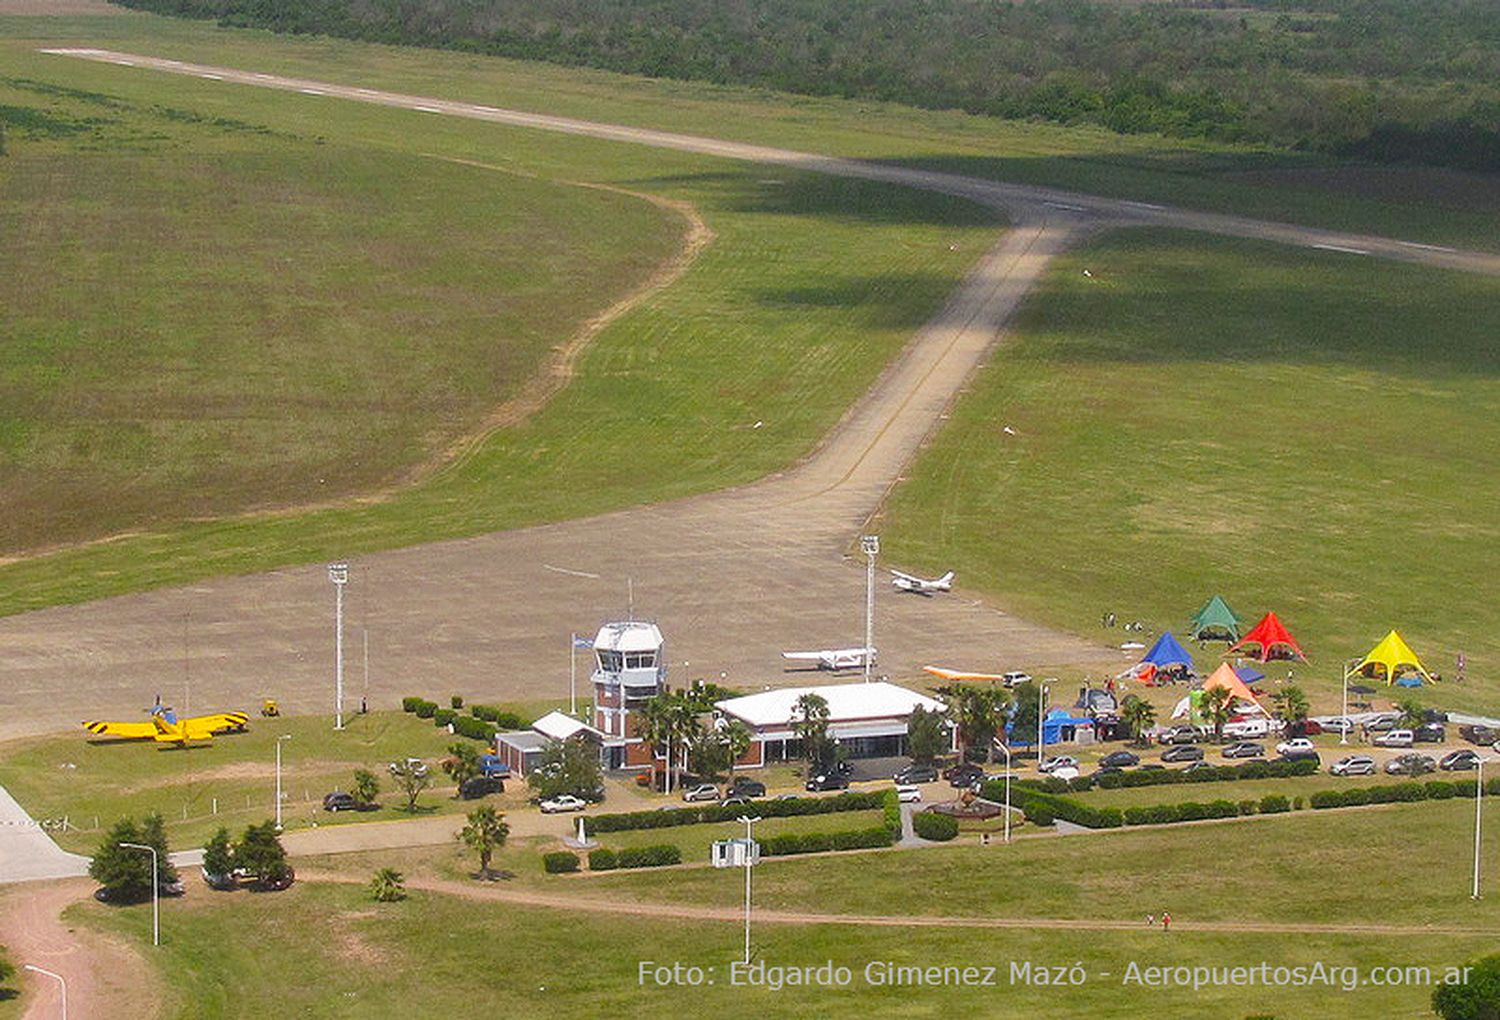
point(665, 819)
point(1433, 789)
point(443, 716)
point(787, 843)
point(474, 729)
point(649, 856)
point(1042, 808)
point(559, 861)
point(603, 859)
point(424, 709)
point(503, 720)
point(1188, 811)
point(1274, 804)
point(409, 704)
point(935, 826)
point(893, 813)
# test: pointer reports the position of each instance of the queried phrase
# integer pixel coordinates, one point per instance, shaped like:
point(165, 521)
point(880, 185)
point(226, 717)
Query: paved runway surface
point(732, 577)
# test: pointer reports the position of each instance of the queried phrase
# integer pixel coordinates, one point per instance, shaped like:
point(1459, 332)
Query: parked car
point(1353, 765)
point(1461, 760)
point(417, 765)
point(105, 895)
point(338, 800)
point(1244, 749)
point(828, 781)
point(964, 775)
point(1484, 736)
point(1294, 747)
point(1429, 733)
point(491, 765)
point(480, 786)
point(1338, 724)
point(1311, 756)
point(1014, 677)
point(734, 799)
point(1198, 766)
point(1180, 735)
point(915, 773)
point(1310, 727)
point(1061, 772)
point(1183, 752)
point(564, 802)
point(744, 786)
point(703, 791)
point(1062, 761)
point(1395, 738)
point(1247, 729)
point(1410, 765)
point(1119, 760)
point(908, 794)
point(1382, 723)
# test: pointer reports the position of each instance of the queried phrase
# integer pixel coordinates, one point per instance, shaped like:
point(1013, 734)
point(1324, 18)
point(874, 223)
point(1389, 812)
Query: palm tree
point(654, 725)
point(1293, 705)
point(388, 886)
point(1412, 713)
point(737, 737)
point(810, 723)
point(1138, 716)
point(486, 832)
point(1218, 706)
point(979, 713)
point(685, 725)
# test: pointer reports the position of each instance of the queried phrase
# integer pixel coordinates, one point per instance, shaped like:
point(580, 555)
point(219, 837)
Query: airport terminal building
point(868, 720)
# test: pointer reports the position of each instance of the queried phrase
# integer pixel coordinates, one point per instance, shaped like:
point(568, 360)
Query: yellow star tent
point(1391, 656)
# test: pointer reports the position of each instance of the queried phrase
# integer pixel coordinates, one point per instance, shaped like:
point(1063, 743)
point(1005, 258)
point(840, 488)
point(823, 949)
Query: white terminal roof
point(849, 702)
point(630, 636)
point(557, 726)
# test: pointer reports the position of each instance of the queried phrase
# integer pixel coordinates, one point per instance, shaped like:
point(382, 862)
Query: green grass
point(76, 778)
point(227, 955)
point(1441, 208)
point(695, 840)
point(1309, 433)
point(809, 288)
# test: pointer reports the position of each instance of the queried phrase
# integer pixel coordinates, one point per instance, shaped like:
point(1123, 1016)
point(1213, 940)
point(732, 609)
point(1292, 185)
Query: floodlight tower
point(870, 546)
point(338, 573)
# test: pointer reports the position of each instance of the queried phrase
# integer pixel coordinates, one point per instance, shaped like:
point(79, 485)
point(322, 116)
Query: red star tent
point(1390, 657)
point(1273, 640)
point(1226, 677)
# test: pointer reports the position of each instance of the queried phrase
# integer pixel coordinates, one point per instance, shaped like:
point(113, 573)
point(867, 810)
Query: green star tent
point(1216, 622)
point(1389, 658)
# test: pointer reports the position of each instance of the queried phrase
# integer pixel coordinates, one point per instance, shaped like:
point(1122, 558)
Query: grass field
point(435, 952)
point(1313, 434)
point(1436, 207)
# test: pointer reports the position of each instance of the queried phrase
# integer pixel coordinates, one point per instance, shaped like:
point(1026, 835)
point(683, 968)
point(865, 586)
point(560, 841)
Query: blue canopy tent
point(1168, 651)
point(1248, 675)
point(1059, 727)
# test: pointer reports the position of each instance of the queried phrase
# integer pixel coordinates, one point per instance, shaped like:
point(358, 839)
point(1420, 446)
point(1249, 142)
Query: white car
point(1062, 761)
point(1299, 745)
point(562, 802)
point(1395, 738)
point(1014, 677)
point(1354, 765)
point(1247, 729)
point(908, 794)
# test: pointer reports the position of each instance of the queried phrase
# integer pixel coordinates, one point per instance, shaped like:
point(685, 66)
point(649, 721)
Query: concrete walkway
point(27, 853)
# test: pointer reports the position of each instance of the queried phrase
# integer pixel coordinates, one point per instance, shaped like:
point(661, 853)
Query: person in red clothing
point(1166, 920)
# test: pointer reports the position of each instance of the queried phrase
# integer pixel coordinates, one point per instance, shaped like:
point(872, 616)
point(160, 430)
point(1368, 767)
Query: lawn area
point(74, 777)
point(809, 287)
point(1310, 433)
point(1433, 206)
point(227, 955)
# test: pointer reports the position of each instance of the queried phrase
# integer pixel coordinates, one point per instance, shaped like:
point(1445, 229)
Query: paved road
point(733, 577)
point(27, 853)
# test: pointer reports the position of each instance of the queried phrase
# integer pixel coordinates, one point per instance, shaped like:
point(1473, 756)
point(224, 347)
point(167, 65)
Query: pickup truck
point(491, 767)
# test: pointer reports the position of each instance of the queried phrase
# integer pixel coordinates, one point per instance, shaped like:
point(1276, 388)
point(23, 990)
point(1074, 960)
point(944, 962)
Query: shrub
point(788, 843)
point(443, 716)
point(648, 856)
point(1247, 807)
point(425, 709)
point(410, 704)
point(602, 860)
point(893, 813)
point(455, 702)
point(716, 813)
point(1040, 816)
point(1326, 799)
point(1274, 804)
point(1440, 789)
point(474, 729)
point(559, 861)
point(934, 826)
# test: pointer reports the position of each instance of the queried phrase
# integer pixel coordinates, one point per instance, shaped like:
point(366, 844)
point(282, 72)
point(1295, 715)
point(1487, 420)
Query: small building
point(868, 720)
point(522, 749)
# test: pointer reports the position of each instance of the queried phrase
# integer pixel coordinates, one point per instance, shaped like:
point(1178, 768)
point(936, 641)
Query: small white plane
point(834, 659)
point(920, 586)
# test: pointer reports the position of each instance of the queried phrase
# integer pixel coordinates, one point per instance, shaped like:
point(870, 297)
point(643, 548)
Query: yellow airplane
point(165, 728)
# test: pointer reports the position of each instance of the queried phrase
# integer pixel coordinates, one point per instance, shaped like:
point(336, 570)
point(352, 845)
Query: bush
point(443, 716)
point(1037, 804)
point(425, 709)
point(602, 860)
point(893, 813)
point(410, 704)
point(455, 702)
point(1040, 816)
point(1247, 807)
point(474, 729)
point(934, 826)
point(717, 813)
point(503, 720)
point(1274, 804)
point(788, 843)
point(1440, 789)
point(559, 861)
point(647, 856)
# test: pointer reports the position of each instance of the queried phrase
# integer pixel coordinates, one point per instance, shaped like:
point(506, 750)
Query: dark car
point(175, 888)
point(1152, 766)
point(1484, 736)
point(480, 786)
point(1311, 756)
point(965, 775)
point(1183, 752)
point(1244, 749)
point(1198, 766)
point(916, 774)
point(1410, 765)
point(828, 781)
point(1459, 761)
point(338, 800)
point(1429, 733)
point(844, 768)
point(744, 786)
point(1119, 760)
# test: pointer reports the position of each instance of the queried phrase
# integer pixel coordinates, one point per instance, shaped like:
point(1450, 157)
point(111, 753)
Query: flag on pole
point(582, 642)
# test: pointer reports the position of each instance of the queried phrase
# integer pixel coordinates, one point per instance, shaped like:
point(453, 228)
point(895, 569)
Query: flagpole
point(573, 674)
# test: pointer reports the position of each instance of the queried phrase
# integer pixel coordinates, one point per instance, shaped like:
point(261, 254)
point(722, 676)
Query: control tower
point(630, 669)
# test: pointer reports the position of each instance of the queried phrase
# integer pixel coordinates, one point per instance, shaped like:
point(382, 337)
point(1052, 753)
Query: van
point(1245, 729)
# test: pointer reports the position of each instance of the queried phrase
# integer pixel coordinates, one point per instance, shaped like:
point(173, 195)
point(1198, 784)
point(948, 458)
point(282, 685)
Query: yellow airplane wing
point(957, 674)
point(123, 730)
point(183, 733)
point(216, 723)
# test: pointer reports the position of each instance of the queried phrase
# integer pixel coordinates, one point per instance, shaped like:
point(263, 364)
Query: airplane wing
point(803, 656)
point(123, 730)
point(188, 732)
point(958, 674)
point(217, 723)
point(898, 575)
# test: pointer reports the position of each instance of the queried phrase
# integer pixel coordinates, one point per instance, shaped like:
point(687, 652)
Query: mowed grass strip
point(1432, 206)
point(225, 955)
point(810, 287)
point(1310, 433)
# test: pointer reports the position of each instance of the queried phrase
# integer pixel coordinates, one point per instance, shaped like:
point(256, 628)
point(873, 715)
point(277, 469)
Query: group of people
point(1166, 921)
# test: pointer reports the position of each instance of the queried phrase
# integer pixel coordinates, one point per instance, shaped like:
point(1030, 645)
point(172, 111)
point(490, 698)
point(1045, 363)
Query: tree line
point(1388, 80)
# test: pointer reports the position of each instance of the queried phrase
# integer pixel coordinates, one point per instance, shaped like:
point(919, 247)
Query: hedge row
point(1042, 808)
point(1188, 811)
point(671, 817)
point(1433, 789)
point(503, 720)
point(787, 843)
point(1170, 777)
point(604, 859)
point(474, 729)
point(420, 707)
point(893, 813)
point(934, 826)
point(559, 861)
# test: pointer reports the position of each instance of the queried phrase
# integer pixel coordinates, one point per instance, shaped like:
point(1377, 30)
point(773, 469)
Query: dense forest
point(1388, 80)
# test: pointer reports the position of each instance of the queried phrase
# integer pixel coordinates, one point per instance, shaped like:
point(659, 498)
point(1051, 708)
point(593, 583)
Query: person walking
point(1166, 920)
point(1150, 920)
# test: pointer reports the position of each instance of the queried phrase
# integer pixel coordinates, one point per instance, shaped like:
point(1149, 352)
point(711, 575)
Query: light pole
point(870, 546)
point(61, 983)
point(155, 891)
point(338, 573)
point(1041, 734)
point(1006, 749)
point(1478, 817)
point(284, 736)
point(749, 862)
point(1344, 726)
